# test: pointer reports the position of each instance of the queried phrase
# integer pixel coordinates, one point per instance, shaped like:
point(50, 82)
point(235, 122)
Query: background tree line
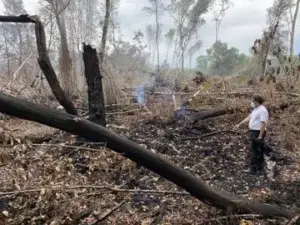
point(69, 23)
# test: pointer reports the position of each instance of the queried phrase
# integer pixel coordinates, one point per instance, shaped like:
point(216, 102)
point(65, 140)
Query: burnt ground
point(56, 177)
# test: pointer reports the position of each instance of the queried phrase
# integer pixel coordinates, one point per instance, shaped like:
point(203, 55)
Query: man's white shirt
point(259, 114)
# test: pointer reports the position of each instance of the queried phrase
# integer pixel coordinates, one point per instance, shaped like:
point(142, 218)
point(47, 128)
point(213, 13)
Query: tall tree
point(192, 50)
point(114, 23)
point(150, 35)
point(187, 15)
point(156, 8)
point(218, 9)
point(221, 59)
point(105, 31)
point(275, 16)
point(169, 40)
point(293, 13)
point(203, 63)
point(58, 7)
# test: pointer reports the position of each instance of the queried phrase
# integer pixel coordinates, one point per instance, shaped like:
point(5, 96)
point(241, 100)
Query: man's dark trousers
point(257, 151)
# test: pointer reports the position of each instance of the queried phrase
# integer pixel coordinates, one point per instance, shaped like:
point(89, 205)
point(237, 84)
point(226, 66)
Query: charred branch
point(211, 113)
point(18, 19)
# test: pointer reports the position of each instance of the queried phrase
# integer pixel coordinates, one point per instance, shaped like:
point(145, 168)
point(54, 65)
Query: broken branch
point(104, 188)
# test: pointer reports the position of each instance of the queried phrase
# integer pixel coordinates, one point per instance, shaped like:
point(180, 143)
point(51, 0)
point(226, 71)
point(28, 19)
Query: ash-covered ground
point(220, 160)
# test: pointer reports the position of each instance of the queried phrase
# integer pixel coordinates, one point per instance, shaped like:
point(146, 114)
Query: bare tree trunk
point(216, 30)
point(182, 50)
point(191, 56)
point(264, 62)
point(182, 59)
point(65, 60)
point(157, 37)
point(104, 32)
point(294, 21)
point(6, 51)
point(108, 86)
point(175, 52)
point(65, 57)
point(94, 82)
point(113, 25)
point(168, 50)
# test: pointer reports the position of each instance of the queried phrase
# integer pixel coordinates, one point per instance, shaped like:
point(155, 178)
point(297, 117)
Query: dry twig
point(106, 215)
point(107, 188)
point(77, 148)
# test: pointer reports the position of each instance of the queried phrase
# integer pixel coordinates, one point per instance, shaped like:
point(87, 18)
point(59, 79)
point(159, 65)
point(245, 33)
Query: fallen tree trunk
point(94, 83)
point(44, 60)
point(220, 199)
point(210, 114)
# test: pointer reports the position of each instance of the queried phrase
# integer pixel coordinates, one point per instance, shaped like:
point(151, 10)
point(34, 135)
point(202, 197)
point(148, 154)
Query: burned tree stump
point(94, 83)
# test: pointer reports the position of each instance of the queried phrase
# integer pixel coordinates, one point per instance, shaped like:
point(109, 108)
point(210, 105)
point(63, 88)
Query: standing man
point(257, 125)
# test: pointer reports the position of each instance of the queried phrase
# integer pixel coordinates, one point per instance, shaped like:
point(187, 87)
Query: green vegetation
point(221, 60)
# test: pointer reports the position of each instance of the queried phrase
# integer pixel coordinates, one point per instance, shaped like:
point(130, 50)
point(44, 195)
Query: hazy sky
point(243, 23)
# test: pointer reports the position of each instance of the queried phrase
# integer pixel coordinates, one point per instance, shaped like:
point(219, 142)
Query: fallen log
point(210, 114)
point(156, 163)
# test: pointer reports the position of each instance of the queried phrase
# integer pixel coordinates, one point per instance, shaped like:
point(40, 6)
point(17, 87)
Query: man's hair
point(258, 99)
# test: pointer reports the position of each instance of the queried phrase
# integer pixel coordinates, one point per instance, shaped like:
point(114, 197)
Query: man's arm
point(246, 120)
point(262, 129)
point(264, 117)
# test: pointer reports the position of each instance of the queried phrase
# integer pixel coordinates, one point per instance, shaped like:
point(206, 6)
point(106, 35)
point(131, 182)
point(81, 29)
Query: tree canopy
point(220, 59)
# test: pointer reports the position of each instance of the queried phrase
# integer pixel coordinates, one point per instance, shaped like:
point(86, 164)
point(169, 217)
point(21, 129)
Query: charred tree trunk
point(154, 162)
point(49, 71)
point(94, 82)
point(211, 113)
point(44, 60)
